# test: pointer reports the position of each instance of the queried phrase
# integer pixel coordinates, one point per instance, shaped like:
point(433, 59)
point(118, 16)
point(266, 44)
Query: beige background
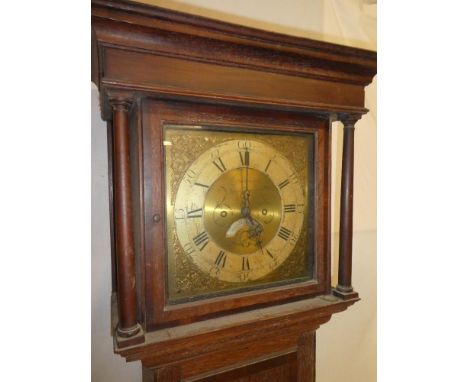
point(346, 346)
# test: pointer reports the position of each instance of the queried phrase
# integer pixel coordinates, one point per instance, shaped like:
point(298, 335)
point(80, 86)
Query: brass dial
point(238, 210)
point(242, 210)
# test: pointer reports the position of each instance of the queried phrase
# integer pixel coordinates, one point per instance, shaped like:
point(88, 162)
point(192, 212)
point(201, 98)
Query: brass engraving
point(186, 147)
point(205, 258)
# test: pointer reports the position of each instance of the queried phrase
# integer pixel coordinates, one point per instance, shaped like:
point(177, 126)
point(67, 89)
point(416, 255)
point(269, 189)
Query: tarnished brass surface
point(226, 223)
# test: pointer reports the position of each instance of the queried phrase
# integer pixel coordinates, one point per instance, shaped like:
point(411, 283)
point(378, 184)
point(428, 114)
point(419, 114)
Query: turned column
point(124, 244)
point(344, 288)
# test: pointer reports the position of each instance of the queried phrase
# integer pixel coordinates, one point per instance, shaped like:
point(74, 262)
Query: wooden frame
point(155, 113)
point(131, 39)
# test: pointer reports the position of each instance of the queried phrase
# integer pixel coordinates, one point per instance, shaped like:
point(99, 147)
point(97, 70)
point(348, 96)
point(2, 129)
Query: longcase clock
point(219, 140)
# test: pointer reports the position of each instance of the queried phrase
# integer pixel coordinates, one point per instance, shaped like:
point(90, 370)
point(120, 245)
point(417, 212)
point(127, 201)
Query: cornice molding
point(144, 28)
point(147, 50)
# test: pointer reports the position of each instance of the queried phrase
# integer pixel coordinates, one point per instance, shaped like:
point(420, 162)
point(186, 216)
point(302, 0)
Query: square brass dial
point(239, 210)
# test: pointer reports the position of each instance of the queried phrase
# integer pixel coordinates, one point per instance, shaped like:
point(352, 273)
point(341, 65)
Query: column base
point(128, 337)
point(345, 293)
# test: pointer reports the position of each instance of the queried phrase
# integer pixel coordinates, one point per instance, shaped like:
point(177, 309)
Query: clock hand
point(259, 243)
point(258, 232)
point(245, 209)
point(246, 177)
point(245, 191)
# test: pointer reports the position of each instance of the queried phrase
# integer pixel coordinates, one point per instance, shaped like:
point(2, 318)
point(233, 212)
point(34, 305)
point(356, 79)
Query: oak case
point(150, 117)
point(155, 67)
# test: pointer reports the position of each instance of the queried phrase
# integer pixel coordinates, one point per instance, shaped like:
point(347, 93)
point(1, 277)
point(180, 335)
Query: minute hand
point(246, 172)
point(245, 190)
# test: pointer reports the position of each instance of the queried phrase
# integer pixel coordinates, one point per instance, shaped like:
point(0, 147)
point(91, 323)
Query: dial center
point(235, 217)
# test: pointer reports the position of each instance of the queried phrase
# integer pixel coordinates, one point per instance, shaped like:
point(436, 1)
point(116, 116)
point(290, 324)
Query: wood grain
point(306, 357)
point(175, 74)
point(158, 311)
point(280, 369)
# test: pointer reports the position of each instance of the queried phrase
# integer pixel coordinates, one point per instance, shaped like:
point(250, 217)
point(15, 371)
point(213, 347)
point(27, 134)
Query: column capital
point(349, 120)
point(120, 100)
point(120, 103)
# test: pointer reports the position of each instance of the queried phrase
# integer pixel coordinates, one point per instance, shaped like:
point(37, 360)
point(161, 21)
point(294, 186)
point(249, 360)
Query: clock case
point(146, 147)
point(150, 65)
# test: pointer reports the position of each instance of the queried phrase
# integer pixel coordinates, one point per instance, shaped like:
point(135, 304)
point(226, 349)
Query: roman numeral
point(201, 239)
point(289, 208)
point(294, 178)
point(284, 233)
point(221, 259)
point(219, 164)
point(245, 264)
point(283, 184)
point(201, 185)
point(245, 158)
point(270, 254)
point(188, 248)
point(268, 165)
point(195, 213)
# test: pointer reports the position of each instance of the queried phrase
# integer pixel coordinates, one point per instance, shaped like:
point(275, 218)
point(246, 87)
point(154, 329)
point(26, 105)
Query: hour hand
point(259, 242)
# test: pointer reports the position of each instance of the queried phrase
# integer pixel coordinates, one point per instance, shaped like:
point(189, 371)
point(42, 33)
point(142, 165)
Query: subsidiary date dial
point(239, 210)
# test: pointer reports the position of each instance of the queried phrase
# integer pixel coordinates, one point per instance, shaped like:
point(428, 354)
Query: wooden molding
point(148, 49)
point(201, 347)
point(199, 38)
